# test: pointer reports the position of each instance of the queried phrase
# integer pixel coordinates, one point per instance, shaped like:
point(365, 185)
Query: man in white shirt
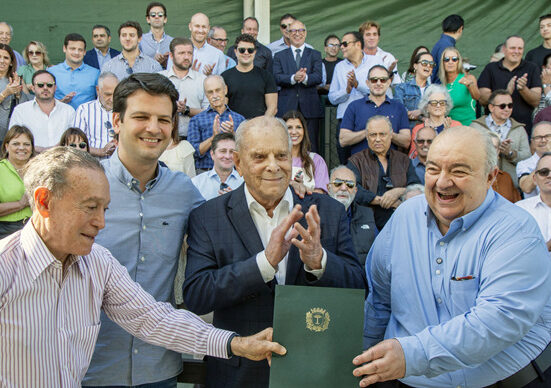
point(46, 117)
point(539, 206)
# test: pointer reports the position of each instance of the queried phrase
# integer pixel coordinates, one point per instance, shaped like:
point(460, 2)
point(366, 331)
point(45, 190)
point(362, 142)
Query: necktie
point(298, 57)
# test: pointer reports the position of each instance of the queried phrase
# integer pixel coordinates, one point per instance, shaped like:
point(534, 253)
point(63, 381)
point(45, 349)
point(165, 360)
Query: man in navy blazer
point(101, 38)
point(244, 242)
point(298, 72)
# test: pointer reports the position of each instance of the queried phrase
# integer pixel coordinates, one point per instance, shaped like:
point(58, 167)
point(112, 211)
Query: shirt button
point(143, 227)
point(442, 243)
point(135, 351)
point(438, 272)
point(141, 214)
point(141, 197)
point(439, 300)
point(142, 258)
point(129, 184)
point(439, 260)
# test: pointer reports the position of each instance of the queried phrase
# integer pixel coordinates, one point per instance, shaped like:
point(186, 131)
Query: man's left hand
point(309, 247)
point(522, 82)
point(388, 198)
point(300, 189)
point(382, 362)
point(257, 346)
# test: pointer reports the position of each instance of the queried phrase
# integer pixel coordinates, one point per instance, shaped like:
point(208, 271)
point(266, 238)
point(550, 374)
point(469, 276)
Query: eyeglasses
point(540, 138)
point(284, 26)
point(333, 45)
point(32, 53)
point(339, 182)
point(156, 14)
point(220, 39)
point(453, 59)
point(382, 80)
point(503, 106)
point(543, 172)
point(42, 84)
point(297, 31)
point(423, 141)
point(345, 43)
point(434, 103)
point(242, 50)
point(82, 145)
point(424, 62)
point(223, 186)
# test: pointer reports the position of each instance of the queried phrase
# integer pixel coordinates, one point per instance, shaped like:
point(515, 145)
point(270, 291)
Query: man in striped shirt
point(95, 117)
point(54, 281)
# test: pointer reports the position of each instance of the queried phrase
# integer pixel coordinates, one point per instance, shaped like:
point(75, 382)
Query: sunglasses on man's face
point(339, 182)
point(453, 59)
point(345, 44)
point(503, 106)
point(284, 26)
point(374, 80)
point(156, 14)
point(543, 172)
point(81, 145)
point(42, 84)
point(242, 50)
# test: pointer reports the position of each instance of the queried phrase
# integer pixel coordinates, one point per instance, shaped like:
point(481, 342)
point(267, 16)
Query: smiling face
point(129, 39)
point(265, 162)
point(353, 47)
point(154, 19)
point(437, 105)
point(199, 27)
point(285, 31)
point(19, 149)
point(332, 48)
point(378, 82)
point(36, 56)
point(5, 62)
point(145, 130)
point(5, 33)
point(371, 38)
point(542, 180)
point(222, 156)
point(541, 138)
point(74, 52)
point(423, 141)
point(424, 67)
point(246, 59)
point(513, 50)
point(296, 131)
point(452, 58)
point(456, 182)
point(297, 33)
point(250, 27)
point(219, 39)
point(501, 115)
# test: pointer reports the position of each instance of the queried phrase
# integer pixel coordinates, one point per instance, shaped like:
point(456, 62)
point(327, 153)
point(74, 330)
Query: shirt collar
point(67, 67)
point(386, 101)
point(123, 175)
point(211, 109)
point(150, 33)
point(416, 162)
point(99, 52)
point(286, 202)
point(490, 121)
point(190, 73)
point(212, 173)
point(301, 48)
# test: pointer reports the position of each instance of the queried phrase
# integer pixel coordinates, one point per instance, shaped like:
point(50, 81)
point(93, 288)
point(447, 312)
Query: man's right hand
point(280, 239)
point(257, 346)
point(67, 99)
point(109, 148)
point(511, 84)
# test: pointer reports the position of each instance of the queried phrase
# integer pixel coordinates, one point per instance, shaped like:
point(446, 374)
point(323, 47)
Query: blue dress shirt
point(468, 332)
point(419, 169)
point(200, 129)
point(120, 67)
point(149, 46)
point(82, 80)
point(144, 231)
point(208, 183)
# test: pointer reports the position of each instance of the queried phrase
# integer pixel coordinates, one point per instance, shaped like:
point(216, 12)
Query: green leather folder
point(321, 328)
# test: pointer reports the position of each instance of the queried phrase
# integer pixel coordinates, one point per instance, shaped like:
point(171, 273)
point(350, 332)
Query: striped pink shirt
point(49, 321)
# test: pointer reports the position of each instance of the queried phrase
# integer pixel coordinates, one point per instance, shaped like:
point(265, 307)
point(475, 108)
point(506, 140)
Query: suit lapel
point(305, 60)
point(241, 219)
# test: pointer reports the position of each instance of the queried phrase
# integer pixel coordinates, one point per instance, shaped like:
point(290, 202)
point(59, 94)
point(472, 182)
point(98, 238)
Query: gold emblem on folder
point(317, 319)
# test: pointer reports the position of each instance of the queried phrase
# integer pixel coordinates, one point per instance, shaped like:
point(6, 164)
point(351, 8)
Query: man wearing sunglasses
point(342, 187)
point(263, 57)
point(156, 43)
point(423, 141)
point(46, 117)
point(514, 145)
point(541, 143)
point(539, 206)
point(252, 91)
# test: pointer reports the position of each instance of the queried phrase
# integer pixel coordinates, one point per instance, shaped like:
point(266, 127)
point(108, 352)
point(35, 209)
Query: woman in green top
point(36, 56)
point(17, 149)
point(462, 87)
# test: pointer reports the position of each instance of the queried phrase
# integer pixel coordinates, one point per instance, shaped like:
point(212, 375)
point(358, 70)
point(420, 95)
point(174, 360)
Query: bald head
point(199, 27)
point(260, 124)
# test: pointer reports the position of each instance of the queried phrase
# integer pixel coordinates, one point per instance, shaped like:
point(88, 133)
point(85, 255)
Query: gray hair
point(105, 75)
point(411, 188)
point(11, 28)
point(341, 167)
point(425, 129)
point(213, 30)
point(260, 121)
point(379, 118)
point(214, 76)
point(429, 91)
point(537, 125)
point(50, 170)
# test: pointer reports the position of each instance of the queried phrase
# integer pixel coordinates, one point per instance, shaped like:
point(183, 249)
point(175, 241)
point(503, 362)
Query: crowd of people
point(197, 170)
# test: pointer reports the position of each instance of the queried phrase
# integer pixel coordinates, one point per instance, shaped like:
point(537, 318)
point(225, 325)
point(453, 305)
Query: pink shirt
point(49, 320)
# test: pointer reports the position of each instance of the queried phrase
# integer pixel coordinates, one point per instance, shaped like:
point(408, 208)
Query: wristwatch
point(186, 111)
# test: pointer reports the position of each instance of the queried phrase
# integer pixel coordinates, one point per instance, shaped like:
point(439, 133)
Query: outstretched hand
point(258, 346)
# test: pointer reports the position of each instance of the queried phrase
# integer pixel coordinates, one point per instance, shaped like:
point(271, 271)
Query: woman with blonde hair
point(37, 58)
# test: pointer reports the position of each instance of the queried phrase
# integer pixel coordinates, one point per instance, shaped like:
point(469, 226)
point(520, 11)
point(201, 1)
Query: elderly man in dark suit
point(298, 72)
point(244, 242)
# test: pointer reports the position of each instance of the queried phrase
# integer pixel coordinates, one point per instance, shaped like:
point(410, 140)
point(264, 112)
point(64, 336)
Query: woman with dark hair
point(309, 168)
point(11, 89)
point(17, 149)
point(76, 138)
point(37, 58)
point(409, 74)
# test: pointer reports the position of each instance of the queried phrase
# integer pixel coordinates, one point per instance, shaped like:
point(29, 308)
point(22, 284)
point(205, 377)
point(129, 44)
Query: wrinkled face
point(542, 177)
point(157, 17)
point(437, 105)
point(5, 34)
point(297, 33)
point(501, 109)
point(455, 179)
point(378, 82)
point(265, 163)
point(19, 149)
point(144, 132)
point(424, 66)
point(245, 58)
point(223, 155)
point(250, 27)
point(451, 61)
point(545, 28)
point(423, 141)
point(513, 49)
point(74, 52)
point(379, 136)
point(199, 27)
point(129, 39)
point(541, 138)
point(216, 92)
point(352, 46)
point(284, 27)
point(44, 87)
point(296, 131)
point(36, 56)
point(100, 39)
point(332, 48)
point(342, 186)
point(219, 39)
point(371, 38)
point(76, 218)
point(5, 61)
point(183, 56)
point(105, 92)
